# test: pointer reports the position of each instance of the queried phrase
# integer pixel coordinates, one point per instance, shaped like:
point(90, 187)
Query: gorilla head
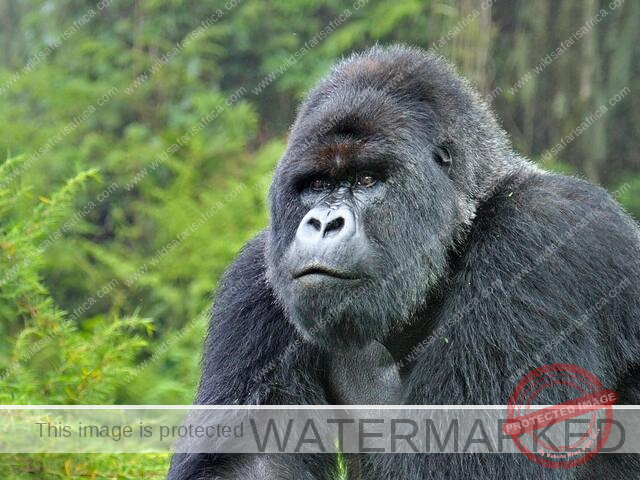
point(386, 163)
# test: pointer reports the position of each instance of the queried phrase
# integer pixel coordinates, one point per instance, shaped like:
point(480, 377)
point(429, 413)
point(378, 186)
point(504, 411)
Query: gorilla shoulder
point(545, 203)
point(540, 227)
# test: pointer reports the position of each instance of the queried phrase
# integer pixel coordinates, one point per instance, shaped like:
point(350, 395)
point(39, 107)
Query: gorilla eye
point(366, 181)
point(443, 156)
point(320, 184)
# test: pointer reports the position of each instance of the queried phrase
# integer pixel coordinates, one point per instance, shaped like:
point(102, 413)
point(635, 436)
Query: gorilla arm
point(244, 364)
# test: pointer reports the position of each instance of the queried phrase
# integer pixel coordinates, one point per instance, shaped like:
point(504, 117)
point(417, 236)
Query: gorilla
point(414, 258)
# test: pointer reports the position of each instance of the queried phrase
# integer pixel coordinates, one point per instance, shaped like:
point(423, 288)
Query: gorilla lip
point(322, 270)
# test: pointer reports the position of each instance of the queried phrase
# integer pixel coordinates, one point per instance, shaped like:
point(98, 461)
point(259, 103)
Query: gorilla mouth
point(323, 271)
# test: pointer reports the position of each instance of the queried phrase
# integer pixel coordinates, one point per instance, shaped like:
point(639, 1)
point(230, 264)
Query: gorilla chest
point(363, 376)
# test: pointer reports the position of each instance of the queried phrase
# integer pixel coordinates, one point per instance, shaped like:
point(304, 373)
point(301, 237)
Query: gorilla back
point(414, 258)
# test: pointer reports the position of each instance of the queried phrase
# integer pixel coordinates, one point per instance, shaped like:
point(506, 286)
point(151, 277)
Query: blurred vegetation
point(227, 165)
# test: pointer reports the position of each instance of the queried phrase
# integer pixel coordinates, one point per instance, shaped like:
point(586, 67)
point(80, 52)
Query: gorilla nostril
point(315, 223)
point(335, 224)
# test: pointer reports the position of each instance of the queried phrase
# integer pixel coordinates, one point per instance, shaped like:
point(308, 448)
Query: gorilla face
point(364, 213)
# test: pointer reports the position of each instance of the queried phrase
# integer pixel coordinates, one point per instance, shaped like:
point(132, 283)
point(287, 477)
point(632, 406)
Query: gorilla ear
point(443, 157)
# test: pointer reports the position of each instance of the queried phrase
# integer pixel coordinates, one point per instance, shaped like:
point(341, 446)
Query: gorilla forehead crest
point(385, 97)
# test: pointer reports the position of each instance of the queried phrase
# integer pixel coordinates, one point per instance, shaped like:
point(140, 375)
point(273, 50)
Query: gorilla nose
point(327, 224)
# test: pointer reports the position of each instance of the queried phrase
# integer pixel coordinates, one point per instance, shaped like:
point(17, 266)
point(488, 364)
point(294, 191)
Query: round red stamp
point(547, 435)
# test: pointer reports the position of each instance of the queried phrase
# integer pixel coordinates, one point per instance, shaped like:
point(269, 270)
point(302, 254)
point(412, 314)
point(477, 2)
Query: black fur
point(479, 261)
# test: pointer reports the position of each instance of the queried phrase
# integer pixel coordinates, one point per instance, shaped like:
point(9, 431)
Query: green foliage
point(149, 466)
point(48, 358)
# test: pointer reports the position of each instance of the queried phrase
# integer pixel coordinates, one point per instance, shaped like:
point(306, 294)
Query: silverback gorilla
point(399, 214)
